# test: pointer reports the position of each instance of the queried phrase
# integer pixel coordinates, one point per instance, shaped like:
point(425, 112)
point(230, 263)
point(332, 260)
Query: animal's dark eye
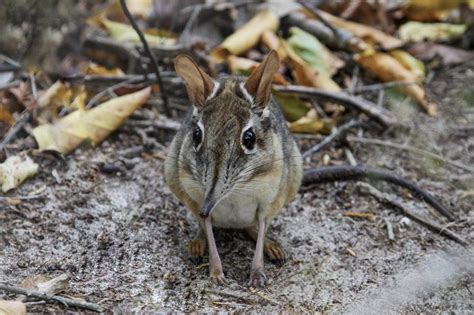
point(197, 136)
point(248, 139)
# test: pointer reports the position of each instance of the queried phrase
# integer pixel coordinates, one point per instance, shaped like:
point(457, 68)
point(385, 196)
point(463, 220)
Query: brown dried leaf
point(94, 125)
point(388, 69)
point(247, 36)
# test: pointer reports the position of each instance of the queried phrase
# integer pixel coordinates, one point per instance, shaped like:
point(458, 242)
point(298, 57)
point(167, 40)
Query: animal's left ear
point(259, 84)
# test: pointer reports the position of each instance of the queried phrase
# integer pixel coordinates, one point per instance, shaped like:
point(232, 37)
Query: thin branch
point(412, 149)
point(433, 226)
point(315, 12)
point(380, 86)
point(328, 174)
point(379, 114)
point(11, 133)
point(335, 133)
point(149, 53)
point(2, 198)
point(107, 91)
point(54, 298)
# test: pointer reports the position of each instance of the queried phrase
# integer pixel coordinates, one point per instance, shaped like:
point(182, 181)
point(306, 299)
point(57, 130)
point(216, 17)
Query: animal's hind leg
point(197, 247)
point(272, 249)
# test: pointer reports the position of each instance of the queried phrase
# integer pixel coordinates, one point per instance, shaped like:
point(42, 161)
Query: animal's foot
point(258, 278)
point(217, 276)
point(196, 249)
point(274, 252)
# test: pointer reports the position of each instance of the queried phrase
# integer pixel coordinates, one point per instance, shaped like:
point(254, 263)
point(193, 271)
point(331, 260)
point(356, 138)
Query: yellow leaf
point(244, 66)
point(247, 36)
point(12, 308)
point(417, 31)
point(125, 33)
point(420, 5)
point(96, 69)
point(15, 170)
point(311, 124)
point(388, 69)
point(368, 34)
point(410, 63)
point(241, 66)
point(94, 125)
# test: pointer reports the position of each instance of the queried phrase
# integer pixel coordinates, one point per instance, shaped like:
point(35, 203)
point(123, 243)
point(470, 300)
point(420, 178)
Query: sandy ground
point(122, 237)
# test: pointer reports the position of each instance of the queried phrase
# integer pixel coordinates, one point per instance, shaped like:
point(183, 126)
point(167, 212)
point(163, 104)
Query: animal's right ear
point(198, 84)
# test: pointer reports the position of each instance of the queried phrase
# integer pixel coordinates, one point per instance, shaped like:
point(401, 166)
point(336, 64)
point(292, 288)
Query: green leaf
point(310, 49)
point(417, 31)
point(292, 106)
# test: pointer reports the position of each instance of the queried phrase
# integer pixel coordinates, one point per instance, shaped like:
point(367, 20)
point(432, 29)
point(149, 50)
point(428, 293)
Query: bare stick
point(328, 174)
point(412, 149)
point(433, 226)
point(315, 12)
point(55, 298)
point(335, 133)
point(109, 90)
point(148, 52)
point(11, 133)
point(379, 114)
point(22, 197)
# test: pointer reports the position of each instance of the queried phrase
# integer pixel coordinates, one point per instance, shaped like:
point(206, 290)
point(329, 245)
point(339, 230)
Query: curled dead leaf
point(244, 66)
point(15, 170)
point(417, 31)
point(125, 33)
point(411, 63)
point(95, 125)
point(387, 68)
point(247, 36)
point(311, 124)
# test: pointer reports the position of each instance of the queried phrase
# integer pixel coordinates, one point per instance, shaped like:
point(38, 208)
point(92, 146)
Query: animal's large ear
point(259, 84)
point(198, 84)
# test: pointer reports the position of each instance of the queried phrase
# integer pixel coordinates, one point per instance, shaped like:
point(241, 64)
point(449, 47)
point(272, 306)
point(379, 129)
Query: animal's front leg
point(257, 272)
point(215, 269)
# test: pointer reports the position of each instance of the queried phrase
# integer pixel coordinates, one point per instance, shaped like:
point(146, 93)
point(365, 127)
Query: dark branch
point(379, 114)
point(148, 52)
point(336, 133)
point(350, 173)
point(54, 298)
point(433, 226)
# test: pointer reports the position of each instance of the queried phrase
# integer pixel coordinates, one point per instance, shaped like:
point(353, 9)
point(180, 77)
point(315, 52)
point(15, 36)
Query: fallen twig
point(149, 53)
point(11, 133)
point(2, 198)
point(381, 197)
point(315, 12)
point(389, 227)
point(55, 298)
point(379, 114)
point(335, 133)
point(380, 86)
point(412, 149)
point(327, 174)
point(342, 39)
point(229, 295)
point(109, 90)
